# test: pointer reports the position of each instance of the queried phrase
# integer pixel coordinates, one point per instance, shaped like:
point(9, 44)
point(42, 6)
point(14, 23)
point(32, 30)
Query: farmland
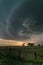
point(23, 55)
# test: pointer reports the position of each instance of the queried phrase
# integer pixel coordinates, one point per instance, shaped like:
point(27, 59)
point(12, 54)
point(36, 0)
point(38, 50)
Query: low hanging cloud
point(21, 19)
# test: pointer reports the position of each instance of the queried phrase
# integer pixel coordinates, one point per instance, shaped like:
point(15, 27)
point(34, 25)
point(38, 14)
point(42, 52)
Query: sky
point(21, 20)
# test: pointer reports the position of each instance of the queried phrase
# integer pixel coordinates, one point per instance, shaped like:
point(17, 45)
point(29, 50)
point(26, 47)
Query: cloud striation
point(21, 19)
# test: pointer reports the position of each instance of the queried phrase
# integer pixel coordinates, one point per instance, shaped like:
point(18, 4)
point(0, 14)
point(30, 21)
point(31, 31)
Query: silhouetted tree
point(38, 44)
point(30, 44)
point(23, 44)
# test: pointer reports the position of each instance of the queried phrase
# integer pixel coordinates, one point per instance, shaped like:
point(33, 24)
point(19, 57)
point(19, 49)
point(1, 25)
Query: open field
point(21, 55)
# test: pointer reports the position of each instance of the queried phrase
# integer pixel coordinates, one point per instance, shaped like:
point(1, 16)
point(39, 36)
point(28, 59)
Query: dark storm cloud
point(20, 18)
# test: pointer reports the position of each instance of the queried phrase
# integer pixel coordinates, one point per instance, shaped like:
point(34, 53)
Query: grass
point(21, 55)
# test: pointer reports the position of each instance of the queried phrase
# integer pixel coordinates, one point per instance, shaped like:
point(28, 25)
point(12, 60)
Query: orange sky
point(4, 42)
point(34, 39)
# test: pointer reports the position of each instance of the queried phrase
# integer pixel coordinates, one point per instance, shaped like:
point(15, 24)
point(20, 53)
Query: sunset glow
point(4, 42)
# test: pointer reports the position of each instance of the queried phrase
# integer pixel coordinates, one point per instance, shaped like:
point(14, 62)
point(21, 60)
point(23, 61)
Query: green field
point(21, 55)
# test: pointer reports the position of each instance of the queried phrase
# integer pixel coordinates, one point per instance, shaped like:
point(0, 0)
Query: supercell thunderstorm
point(21, 19)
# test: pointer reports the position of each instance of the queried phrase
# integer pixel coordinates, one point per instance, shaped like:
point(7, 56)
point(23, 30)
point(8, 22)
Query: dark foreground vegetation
point(21, 55)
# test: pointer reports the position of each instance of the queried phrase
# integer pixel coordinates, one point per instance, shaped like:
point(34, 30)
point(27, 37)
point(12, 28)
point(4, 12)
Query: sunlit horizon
point(4, 42)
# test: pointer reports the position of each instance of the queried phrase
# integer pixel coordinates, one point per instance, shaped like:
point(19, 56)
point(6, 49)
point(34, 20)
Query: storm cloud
point(20, 19)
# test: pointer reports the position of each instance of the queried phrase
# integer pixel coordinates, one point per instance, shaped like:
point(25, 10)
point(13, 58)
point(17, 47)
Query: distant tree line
point(30, 44)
